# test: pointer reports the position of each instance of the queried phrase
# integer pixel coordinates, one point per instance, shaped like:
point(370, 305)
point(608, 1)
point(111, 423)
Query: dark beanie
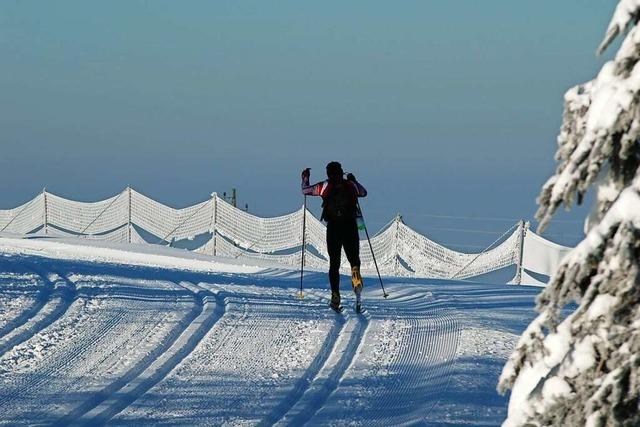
point(334, 168)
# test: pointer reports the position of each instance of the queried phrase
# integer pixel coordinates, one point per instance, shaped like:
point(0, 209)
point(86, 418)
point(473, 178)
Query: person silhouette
point(340, 211)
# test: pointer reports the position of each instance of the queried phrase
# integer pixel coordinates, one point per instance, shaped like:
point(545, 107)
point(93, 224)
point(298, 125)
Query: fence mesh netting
point(226, 231)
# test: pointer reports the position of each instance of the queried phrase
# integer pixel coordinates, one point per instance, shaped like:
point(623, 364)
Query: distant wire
point(384, 227)
point(485, 250)
point(559, 235)
point(462, 230)
point(462, 245)
point(576, 221)
point(448, 216)
point(468, 230)
point(185, 220)
point(474, 218)
point(100, 214)
point(563, 235)
point(19, 213)
point(490, 232)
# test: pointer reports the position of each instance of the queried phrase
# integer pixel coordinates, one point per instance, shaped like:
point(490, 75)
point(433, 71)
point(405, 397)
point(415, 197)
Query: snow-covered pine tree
point(584, 369)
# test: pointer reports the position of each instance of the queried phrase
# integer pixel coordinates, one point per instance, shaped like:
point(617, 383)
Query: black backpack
point(340, 202)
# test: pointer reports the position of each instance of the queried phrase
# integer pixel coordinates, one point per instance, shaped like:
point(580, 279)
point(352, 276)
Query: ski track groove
point(336, 362)
point(442, 332)
point(307, 380)
point(82, 350)
point(230, 314)
point(435, 333)
point(128, 389)
point(55, 303)
point(449, 369)
point(100, 396)
point(39, 300)
point(253, 324)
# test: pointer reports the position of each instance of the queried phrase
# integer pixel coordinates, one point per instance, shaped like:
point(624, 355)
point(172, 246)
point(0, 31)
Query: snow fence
point(217, 228)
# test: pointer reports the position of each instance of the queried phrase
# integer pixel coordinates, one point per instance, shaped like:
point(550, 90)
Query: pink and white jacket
point(324, 187)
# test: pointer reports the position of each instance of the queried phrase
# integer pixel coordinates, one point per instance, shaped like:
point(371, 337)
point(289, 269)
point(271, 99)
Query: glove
point(306, 173)
point(350, 177)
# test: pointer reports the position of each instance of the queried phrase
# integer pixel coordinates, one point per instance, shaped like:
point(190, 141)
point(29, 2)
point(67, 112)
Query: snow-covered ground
point(127, 335)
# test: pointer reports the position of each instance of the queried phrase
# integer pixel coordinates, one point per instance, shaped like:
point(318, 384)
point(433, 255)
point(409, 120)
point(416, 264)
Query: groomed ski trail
point(402, 364)
point(133, 385)
point(250, 361)
point(97, 340)
point(131, 345)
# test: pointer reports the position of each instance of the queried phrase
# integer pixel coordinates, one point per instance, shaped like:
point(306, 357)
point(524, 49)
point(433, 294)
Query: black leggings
point(342, 234)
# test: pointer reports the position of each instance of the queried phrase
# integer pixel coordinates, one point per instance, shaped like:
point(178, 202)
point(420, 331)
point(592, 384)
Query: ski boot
point(335, 302)
point(356, 282)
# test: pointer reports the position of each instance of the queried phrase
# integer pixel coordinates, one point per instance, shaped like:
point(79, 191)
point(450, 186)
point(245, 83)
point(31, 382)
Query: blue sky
point(438, 107)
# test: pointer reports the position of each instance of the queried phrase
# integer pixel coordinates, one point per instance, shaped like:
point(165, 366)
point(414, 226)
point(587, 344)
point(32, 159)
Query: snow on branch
point(585, 367)
point(601, 123)
point(626, 13)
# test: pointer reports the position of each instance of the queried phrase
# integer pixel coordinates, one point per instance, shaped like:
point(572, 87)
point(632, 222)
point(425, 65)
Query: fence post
point(129, 214)
point(214, 220)
point(45, 213)
point(396, 265)
point(522, 231)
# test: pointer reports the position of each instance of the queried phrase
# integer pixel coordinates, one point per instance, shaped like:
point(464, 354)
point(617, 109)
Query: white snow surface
point(96, 333)
point(130, 254)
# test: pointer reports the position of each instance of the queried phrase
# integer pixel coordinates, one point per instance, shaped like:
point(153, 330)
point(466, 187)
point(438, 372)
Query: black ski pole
point(304, 226)
point(384, 293)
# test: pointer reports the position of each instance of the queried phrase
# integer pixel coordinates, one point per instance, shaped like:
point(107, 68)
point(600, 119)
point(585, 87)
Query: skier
point(340, 211)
